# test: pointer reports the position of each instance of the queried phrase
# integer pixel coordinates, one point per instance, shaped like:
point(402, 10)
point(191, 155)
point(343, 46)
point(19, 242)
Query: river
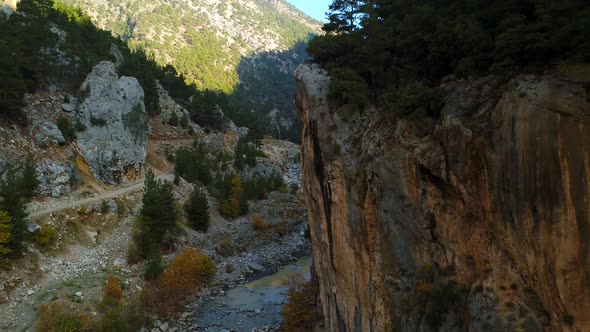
point(255, 305)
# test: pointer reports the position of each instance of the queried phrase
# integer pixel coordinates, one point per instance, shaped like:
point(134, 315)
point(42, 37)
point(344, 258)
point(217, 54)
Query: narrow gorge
point(476, 221)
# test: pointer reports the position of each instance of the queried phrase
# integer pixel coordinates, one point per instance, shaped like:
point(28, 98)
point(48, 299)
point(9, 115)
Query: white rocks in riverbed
point(32, 228)
point(256, 267)
point(120, 263)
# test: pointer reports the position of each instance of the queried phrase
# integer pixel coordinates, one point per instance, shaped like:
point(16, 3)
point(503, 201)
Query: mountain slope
point(207, 41)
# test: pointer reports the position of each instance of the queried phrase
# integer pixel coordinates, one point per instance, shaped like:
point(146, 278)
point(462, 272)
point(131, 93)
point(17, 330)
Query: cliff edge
point(478, 220)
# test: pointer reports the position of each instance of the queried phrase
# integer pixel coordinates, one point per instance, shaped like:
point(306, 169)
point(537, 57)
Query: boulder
point(113, 111)
point(54, 178)
point(120, 263)
point(48, 132)
point(256, 267)
point(70, 106)
point(32, 228)
point(243, 131)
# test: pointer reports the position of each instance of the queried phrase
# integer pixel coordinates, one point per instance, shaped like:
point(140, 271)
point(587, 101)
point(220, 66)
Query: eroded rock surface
point(477, 221)
point(114, 142)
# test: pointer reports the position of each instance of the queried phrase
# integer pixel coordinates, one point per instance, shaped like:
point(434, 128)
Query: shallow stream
point(256, 304)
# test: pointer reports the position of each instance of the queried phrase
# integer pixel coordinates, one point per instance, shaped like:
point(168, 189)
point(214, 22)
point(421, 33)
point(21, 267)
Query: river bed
point(255, 305)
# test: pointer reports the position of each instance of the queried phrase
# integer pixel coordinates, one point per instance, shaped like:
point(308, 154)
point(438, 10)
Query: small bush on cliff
point(301, 311)
point(65, 126)
point(45, 236)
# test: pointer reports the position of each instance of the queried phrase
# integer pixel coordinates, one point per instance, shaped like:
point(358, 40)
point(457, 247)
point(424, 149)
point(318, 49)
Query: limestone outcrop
point(477, 221)
point(112, 109)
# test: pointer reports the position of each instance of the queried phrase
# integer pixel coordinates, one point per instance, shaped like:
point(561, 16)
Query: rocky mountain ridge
point(476, 221)
point(245, 47)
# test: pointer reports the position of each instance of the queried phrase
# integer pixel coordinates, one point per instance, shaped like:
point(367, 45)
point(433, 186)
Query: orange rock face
point(478, 220)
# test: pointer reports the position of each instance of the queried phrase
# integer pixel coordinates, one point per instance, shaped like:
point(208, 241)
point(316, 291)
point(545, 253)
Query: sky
point(314, 8)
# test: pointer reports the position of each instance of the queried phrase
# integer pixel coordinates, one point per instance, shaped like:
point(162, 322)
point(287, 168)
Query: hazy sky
point(314, 8)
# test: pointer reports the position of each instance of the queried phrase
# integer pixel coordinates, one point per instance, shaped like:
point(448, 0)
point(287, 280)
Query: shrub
point(5, 234)
point(79, 126)
point(173, 120)
point(189, 270)
point(184, 123)
point(59, 317)
point(65, 126)
point(154, 269)
point(281, 229)
point(185, 275)
point(104, 207)
point(121, 208)
point(259, 223)
point(300, 311)
point(121, 317)
point(225, 248)
point(44, 236)
point(98, 122)
point(112, 293)
point(229, 268)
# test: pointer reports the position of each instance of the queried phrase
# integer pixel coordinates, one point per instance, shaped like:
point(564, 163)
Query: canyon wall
point(477, 221)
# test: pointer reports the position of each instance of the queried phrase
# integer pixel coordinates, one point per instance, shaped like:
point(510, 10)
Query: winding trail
point(99, 198)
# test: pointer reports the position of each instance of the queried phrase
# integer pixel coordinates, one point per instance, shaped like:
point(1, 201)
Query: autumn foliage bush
point(300, 312)
point(259, 223)
point(187, 273)
point(59, 316)
point(112, 292)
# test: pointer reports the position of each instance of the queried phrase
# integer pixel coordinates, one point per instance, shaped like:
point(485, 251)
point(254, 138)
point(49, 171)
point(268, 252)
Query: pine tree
point(12, 84)
point(345, 16)
point(158, 210)
point(197, 210)
point(5, 235)
point(28, 180)
point(13, 203)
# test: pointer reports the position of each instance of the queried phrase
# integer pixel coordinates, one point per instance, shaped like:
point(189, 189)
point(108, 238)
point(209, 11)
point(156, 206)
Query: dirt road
point(96, 199)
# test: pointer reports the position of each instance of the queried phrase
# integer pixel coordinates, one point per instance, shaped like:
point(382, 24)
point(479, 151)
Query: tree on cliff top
point(397, 45)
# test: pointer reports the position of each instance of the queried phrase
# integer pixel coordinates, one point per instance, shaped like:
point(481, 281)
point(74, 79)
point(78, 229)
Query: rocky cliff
point(112, 110)
point(477, 221)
